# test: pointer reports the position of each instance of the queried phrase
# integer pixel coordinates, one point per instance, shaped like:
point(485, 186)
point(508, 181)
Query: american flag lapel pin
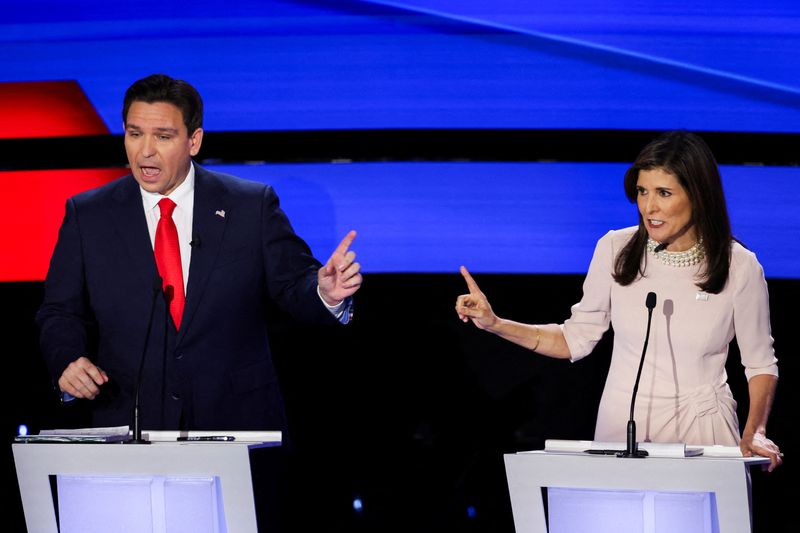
point(220, 213)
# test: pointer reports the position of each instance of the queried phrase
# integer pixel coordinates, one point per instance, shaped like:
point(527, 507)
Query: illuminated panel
point(329, 65)
point(31, 222)
point(504, 218)
point(47, 109)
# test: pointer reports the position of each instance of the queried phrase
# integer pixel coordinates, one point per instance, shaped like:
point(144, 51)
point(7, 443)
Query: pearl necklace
point(690, 257)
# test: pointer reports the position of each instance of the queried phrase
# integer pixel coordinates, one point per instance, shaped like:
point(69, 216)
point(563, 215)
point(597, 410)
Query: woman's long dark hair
point(687, 157)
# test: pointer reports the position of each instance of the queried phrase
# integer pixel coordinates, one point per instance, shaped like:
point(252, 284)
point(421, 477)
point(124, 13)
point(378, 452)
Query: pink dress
point(683, 393)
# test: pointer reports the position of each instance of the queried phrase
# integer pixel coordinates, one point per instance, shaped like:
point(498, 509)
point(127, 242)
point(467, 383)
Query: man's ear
point(196, 139)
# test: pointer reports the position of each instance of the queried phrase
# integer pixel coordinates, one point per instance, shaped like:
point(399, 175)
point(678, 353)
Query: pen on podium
point(602, 452)
point(207, 438)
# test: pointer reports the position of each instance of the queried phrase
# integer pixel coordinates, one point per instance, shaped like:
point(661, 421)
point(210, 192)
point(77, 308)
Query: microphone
point(660, 248)
point(195, 242)
point(632, 450)
point(137, 427)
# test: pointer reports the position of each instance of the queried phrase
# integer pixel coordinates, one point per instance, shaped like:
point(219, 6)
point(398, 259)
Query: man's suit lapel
point(130, 223)
point(209, 221)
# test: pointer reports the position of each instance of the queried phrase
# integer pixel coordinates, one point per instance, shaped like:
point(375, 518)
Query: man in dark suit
point(183, 282)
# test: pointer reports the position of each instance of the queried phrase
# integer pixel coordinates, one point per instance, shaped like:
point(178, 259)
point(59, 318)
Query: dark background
point(411, 410)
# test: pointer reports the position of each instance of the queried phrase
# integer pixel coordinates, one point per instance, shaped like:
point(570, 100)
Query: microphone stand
point(137, 427)
point(632, 449)
point(169, 294)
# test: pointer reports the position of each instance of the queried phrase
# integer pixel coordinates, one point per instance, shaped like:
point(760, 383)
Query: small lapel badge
point(701, 296)
point(220, 213)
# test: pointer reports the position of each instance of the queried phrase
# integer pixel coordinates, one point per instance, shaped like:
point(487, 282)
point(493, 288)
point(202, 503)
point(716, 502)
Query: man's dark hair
point(162, 88)
point(687, 157)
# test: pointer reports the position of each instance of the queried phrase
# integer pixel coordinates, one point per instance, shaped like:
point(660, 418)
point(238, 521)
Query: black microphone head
point(651, 300)
point(661, 247)
point(195, 242)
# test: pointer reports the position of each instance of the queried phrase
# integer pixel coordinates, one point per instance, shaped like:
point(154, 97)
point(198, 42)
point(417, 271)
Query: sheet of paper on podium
point(81, 435)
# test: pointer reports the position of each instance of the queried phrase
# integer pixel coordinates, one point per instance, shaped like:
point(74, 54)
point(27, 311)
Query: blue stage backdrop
point(722, 65)
point(719, 65)
point(503, 217)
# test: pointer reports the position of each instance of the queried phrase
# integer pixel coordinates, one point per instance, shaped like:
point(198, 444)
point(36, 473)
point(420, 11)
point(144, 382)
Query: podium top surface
point(749, 461)
point(674, 450)
point(269, 438)
point(123, 435)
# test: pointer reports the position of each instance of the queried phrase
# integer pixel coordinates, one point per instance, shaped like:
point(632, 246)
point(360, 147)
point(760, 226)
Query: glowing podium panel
point(601, 493)
point(164, 487)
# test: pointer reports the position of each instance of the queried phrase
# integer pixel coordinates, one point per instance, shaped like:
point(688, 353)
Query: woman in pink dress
point(709, 288)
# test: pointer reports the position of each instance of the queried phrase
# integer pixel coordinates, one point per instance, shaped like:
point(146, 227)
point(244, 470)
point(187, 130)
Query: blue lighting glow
point(471, 512)
point(621, 64)
point(503, 218)
point(357, 505)
point(22, 430)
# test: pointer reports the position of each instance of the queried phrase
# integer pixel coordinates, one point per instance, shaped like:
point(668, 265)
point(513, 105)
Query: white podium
point(651, 495)
point(165, 486)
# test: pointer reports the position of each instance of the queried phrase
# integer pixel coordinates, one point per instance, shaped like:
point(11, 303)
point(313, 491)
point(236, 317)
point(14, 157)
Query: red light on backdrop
point(30, 222)
point(47, 109)
point(35, 199)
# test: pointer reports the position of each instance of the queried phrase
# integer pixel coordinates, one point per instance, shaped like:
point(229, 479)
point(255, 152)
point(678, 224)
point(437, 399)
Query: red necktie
point(168, 260)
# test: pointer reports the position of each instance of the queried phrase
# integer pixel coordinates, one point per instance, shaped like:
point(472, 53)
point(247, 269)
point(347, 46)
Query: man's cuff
point(343, 311)
point(67, 397)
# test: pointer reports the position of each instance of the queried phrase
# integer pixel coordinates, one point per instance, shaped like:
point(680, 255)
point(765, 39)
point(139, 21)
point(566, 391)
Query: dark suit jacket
point(216, 372)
